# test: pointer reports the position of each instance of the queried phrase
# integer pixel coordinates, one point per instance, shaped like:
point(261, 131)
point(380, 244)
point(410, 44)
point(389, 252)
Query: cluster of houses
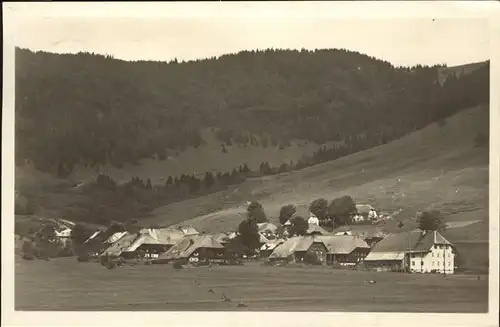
point(365, 246)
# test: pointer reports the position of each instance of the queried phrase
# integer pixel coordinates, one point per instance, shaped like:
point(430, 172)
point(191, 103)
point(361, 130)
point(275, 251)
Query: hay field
point(65, 284)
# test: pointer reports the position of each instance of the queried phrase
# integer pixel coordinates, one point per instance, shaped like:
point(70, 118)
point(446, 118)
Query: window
point(438, 263)
point(433, 254)
point(432, 263)
point(437, 254)
point(413, 262)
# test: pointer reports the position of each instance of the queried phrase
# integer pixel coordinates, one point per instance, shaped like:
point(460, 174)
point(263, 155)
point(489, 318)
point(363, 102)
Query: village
point(361, 245)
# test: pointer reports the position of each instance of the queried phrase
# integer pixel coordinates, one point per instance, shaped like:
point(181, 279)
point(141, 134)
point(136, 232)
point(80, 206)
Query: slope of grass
point(438, 167)
point(208, 157)
point(65, 284)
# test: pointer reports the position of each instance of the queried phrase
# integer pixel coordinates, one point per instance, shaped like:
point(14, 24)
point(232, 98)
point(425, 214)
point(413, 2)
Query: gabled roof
point(271, 245)
point(161, 236)
point(385, 256)
point(315, 229)
point(189, 230)
point(169, 236)
point(120, 245)
point(343, 244)
point(262, 238)
point(365, 231)
point(115, 237)
point(185, 247)
point(292, 245)
point(93, 236)
point(142, 239)
point(416, 240)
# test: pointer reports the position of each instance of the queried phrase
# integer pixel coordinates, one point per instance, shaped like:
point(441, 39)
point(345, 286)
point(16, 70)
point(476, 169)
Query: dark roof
point(401, 242)
point(314, 229)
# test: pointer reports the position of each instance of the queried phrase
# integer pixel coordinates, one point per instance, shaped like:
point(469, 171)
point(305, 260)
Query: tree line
point(333, 214)
point(91, 109)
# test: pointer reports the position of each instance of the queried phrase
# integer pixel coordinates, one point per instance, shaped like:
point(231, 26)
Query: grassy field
point(65, 284)
point(435, 168)
point(197, 161)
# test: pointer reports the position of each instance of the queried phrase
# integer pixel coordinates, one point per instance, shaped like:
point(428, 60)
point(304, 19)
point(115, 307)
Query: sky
point(403, 42)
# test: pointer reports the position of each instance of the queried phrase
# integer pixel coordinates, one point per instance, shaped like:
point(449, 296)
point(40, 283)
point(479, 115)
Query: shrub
point(256, 212)
point(286, 212)
point(299, 226)
point(319, 208)
point(431, 220)
point(341, 210)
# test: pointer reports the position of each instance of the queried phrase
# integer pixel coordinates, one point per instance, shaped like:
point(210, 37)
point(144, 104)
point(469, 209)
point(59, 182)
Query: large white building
point(418, 251)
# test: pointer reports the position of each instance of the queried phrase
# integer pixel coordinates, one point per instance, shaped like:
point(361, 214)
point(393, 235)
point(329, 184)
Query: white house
point(313, 220)
point(420, 252)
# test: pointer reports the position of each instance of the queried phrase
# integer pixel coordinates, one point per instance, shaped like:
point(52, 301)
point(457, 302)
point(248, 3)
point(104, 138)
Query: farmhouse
point(371, 234)
point(102, 239)
point(193, 248)
point(345, 249)
point(296, 248)
point(422, 252)
point(152, 242)
point(116, 249)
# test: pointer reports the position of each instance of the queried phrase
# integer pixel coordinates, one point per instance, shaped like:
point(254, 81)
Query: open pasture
point(65, 284)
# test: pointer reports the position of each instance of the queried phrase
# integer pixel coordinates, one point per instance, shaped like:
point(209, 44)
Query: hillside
point(77, 114)
point(438, 167)
point(457, 71)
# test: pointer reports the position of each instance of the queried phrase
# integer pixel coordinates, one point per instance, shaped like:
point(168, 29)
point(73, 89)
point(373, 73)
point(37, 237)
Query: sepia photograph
point(240, 158)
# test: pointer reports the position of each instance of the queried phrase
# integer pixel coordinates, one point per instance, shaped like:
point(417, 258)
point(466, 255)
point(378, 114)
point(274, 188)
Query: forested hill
point(94, 109)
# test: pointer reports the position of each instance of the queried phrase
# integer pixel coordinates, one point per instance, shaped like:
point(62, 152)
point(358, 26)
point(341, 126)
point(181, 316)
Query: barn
point(297, 248)
point(193, 248)
point(345, 249)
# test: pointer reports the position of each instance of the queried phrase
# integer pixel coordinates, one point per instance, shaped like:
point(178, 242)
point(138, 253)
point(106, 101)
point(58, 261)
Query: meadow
point(67, 285)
